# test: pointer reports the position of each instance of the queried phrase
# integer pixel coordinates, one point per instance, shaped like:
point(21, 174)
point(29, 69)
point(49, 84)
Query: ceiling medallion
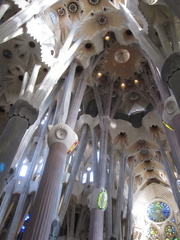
point(122, 56)
point(73, 7)
point(61, 11)
point(102, 20)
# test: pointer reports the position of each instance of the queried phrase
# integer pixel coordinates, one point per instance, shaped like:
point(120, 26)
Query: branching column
point(97, 216)
point(22, 115)
point(120, 198)
point(171, 74)
point(44, 211)
point(130, 205)
point(170, 174)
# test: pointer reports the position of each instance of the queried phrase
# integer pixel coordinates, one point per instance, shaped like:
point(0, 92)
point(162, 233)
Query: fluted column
point(96, 229)
point(171, 74)
point(170, 174)
point(22, 115)
point(109, 222)
point(44, 211)
point(75, 167)
point(129, 205)
point(117, 229)
point(171, 115)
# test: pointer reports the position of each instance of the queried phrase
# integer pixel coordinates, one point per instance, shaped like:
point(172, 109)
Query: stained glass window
point(158, 211)
point(170, 230)
point(152, 231)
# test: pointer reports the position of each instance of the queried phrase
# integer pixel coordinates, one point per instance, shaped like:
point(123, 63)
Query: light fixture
point(99, 74)
point(169, 127)
point(107, 38)
point(123, 85)
point(136, 81)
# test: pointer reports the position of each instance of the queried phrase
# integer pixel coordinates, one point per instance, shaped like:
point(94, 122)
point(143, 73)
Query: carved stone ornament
point(171, 109)
point(98, 199)
point(62, 133)
point(170, 67)
point(23, 109)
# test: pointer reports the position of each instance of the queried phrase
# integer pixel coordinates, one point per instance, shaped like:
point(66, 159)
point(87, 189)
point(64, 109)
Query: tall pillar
point(170, 174)
point(109, 222)
point(96, 229)
point(22, 115)
point(129, 205)
point(117, 228)
point(75, 167)
point(171, 115)
point(171, 74)
point(60, 138)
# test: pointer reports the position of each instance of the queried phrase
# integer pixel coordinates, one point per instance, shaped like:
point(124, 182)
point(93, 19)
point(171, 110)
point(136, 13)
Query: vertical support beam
point(96, 224)
point(22, 115)
point(46, 202)
point(96, 230)
point(170, 175)
point(109, 216)
point(130, 205)
point(75, 167)
point(72, 220)
point(163, 39)
point(171, 74)
point(80, 222)
point(117, 227)
point(17, 219)
point(44, 211)
point(94, 157)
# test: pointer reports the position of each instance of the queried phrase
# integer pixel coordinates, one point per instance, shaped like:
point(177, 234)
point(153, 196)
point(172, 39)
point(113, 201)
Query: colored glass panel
point(170, 230)
point(158, 211)
point(152, 231)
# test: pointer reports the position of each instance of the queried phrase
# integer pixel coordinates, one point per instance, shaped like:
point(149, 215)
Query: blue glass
point(2, 166)
point(23, 228)
point(158, 211)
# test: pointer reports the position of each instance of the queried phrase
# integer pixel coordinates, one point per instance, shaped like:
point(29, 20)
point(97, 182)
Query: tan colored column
point(44, 211)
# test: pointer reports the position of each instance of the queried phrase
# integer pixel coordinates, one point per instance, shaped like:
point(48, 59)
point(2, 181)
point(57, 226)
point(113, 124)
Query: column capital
point(62, 133)
point(171, 109)
point(24, 109)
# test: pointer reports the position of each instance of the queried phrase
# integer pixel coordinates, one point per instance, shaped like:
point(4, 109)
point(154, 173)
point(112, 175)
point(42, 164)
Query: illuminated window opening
point(91, 179)
point(84, 178)
point(23, 171)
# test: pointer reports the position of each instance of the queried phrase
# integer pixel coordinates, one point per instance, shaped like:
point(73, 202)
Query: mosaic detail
point(158, 211)
point(152, 231)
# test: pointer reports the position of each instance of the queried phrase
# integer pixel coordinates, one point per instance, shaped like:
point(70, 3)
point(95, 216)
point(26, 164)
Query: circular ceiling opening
point(122, 56)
